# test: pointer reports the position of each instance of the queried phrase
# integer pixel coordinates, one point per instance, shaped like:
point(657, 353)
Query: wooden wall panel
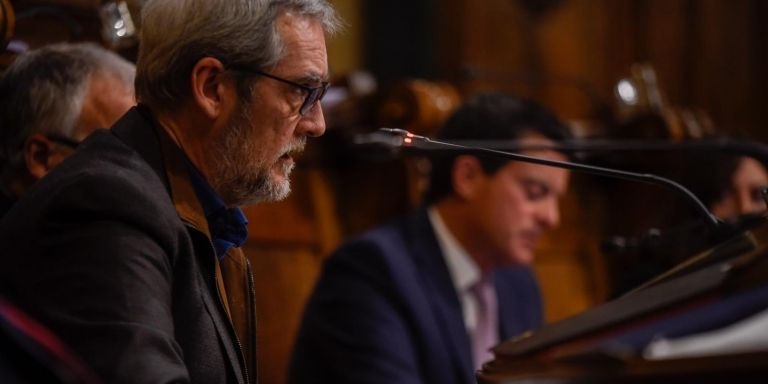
point(287, 242)
point(708, 54)
point(702, 50)
point(569, 267)
point(344, 49)
point(284, 277)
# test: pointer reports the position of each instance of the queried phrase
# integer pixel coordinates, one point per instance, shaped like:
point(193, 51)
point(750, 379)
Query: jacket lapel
point(520, 306)
point(439, 286)
point(190, 211)
point(505, 311)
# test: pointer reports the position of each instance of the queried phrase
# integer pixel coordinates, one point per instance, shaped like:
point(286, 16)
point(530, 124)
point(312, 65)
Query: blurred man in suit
point(423, 299)
point(54, 97)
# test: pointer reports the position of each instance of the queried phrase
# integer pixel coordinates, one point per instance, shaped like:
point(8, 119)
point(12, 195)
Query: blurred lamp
point(117, 27)
point(627, 93)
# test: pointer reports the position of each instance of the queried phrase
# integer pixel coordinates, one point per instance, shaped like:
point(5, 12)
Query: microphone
point(681, 240)
point(722, 145)
point(397, 138)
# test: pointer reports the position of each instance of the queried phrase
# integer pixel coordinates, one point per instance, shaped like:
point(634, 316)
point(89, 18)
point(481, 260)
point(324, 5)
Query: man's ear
point(467, 176)
point(209, 86)
point(40, 155)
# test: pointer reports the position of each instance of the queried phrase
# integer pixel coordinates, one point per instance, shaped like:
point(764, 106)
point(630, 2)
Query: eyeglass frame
point(314, 94)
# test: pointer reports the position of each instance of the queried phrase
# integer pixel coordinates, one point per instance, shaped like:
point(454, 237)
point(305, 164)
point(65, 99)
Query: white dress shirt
point(462, 268)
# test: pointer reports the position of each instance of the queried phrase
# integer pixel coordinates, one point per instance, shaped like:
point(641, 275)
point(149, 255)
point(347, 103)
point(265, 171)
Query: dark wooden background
point(566, 54)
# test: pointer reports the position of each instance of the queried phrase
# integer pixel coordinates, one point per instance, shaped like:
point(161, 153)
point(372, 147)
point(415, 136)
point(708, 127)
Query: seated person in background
point(423, 299)
point(730, 186)
point(743, 194)
point(52, 98)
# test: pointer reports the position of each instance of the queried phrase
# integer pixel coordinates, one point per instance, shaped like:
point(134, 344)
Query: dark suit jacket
point(385, 311)
point(111, 252)
point(6, 202)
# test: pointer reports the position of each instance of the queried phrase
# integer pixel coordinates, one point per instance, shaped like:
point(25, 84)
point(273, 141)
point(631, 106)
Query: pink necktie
point(486, 332)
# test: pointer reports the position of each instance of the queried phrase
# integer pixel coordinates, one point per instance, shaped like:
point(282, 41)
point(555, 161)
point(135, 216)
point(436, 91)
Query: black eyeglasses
point(314, 94)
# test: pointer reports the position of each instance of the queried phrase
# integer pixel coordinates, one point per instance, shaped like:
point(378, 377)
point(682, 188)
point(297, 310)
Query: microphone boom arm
point(421, 142)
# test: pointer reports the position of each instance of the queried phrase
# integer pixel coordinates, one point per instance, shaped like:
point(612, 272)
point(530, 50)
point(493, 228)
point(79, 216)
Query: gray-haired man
point(129, 250)
point(53, 97)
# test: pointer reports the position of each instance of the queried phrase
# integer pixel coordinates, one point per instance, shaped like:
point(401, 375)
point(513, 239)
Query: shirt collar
point(228, 226)
point(463, 269)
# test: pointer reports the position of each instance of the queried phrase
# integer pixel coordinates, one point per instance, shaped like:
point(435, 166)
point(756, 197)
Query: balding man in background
point(53, 97)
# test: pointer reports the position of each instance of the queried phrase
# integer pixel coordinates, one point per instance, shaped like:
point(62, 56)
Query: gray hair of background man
point(43, 91)
point(175, 34)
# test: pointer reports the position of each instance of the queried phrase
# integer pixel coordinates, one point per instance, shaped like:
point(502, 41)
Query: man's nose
point(549, 214)
point(313, 122)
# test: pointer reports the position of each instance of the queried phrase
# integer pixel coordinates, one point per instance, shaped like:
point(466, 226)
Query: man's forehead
point(304, 52)
point(554, 178)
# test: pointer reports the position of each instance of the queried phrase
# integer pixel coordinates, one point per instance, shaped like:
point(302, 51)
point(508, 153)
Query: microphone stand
point(735, 243)
point(400, 138)
point(735, 147)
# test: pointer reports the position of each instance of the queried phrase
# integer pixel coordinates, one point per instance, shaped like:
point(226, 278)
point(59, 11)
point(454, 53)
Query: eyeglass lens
point(314, 95)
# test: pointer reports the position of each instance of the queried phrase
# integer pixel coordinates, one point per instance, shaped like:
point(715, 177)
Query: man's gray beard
point(238, 177)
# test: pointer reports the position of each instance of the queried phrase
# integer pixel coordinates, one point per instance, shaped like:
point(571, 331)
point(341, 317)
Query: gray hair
point(43, 91)
point(175, 34)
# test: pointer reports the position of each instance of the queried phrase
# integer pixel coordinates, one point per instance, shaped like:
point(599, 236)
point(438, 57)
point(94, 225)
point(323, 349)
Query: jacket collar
point(166, 158)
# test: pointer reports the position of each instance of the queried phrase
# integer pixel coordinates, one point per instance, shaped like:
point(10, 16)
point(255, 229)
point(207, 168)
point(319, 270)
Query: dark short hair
point(490, 116)
point(709, 176)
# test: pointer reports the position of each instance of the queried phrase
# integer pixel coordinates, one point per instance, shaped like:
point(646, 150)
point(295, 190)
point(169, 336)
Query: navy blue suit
point(385, 311)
